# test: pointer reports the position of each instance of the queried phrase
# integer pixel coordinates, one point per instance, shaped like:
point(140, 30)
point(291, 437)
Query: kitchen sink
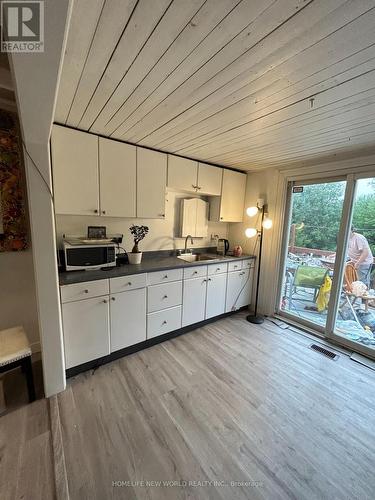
point(189, 257)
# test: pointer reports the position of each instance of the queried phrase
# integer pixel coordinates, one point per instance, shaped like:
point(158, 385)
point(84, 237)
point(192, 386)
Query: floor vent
point(323, 351)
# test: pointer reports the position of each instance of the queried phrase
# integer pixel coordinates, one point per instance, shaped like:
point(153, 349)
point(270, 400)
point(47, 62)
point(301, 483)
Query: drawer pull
point(195, 272)
point(105, 301)
point(164, 322)
point(86, 291)
point(165, 277)
point(204, 281)
point(241, 274)
point(165, 297)
point(218, 269)
point(113, 298)
point(128, 283)
point(209, 279)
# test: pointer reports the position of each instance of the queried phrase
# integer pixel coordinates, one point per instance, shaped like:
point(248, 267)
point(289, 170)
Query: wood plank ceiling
point(243, 83)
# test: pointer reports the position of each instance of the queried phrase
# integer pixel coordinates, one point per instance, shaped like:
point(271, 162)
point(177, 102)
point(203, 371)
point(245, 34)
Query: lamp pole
point(254, 318)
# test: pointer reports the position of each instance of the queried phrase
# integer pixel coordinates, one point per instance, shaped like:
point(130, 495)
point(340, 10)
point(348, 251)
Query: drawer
point(124, 283)
point(217, 268)
point(247, 264)
point(164, 276)
point(235, 265)
point(86, 290)
point(195, 272)
point(163, 296)
point(162, 322)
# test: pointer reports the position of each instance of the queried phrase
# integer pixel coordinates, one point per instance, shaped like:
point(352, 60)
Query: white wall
point(17, 294)
point(162, 234)
point(36, 77)
point(264, 185)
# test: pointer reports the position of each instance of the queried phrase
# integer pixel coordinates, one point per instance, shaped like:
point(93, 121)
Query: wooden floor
point(229, 411)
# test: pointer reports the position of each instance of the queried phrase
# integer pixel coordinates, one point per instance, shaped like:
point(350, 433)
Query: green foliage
point(319, 208)
point(364, 218)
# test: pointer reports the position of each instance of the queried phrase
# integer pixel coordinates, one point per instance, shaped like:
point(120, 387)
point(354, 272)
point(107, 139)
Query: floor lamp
point(266, 223)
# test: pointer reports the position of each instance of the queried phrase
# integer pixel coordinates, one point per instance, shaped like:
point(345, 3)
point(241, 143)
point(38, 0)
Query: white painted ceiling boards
point(244, 83)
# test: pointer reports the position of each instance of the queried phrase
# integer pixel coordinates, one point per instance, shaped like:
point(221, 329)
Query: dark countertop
point(148, 264)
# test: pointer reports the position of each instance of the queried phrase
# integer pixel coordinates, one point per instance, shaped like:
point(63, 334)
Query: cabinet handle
point(105, 301)
point(218, 269)
point(198, 187)
point(86, 291)
point(165, 277)
point(195, 272)
point(103, 211)
point(164, 322)
point(128, 283)
point(161, 215)
point(165, 297)
point(204, 281)
point(221, 218)
point(96, 211)
point(113, 298)
point(209, 279)
point(195, 187)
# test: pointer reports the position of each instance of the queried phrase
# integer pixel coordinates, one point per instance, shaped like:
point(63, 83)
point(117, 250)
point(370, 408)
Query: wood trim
point(61, 477)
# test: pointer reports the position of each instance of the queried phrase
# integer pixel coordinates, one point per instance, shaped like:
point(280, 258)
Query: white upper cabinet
point(209, 179)
point(194, 220)
point(151, 183)
point(182, 174)
point(118, 178)
point(75, 171)
point(229, 207)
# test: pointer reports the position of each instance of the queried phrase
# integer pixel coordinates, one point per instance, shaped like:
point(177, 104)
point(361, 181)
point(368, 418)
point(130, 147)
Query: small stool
point(15, 351)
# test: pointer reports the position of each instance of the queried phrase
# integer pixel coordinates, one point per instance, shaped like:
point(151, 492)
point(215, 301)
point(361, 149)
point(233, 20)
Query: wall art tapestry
point(13, 219)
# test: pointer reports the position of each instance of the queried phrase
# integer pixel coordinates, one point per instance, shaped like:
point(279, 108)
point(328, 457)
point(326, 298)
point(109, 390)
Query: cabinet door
point(233, 196)
point(182, 174)
point(86, 330)
point(151, 184)
point(233, 291)
point(118, 174)
point(209, 179)
point(128, 318)
point(246, 287)
point(216, 292)
point(201, 223)
point(194, 301)
point(75, 171)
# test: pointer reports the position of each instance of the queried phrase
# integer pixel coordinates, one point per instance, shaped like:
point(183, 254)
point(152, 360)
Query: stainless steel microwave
point(84, 257)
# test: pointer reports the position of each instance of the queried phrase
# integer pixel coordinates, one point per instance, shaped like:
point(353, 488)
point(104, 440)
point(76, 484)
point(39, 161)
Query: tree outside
point(316, 212)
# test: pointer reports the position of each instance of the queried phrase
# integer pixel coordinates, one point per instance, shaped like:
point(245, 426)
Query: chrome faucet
point(191, 241)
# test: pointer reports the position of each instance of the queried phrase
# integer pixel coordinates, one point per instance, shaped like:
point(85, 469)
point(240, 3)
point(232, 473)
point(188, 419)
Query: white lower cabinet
point(215, 298)
point(165, 321)
point(194, 301)
point(238, 289)
point(105, 316)
point(128, 318)
point(86, 330)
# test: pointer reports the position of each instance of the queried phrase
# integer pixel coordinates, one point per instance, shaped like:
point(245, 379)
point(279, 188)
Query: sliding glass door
point(327, 280)
point(354, 315)
point(315, 211)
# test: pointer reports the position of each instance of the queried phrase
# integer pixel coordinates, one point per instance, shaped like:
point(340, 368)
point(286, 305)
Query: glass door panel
point(355, 318)
point(315, 212)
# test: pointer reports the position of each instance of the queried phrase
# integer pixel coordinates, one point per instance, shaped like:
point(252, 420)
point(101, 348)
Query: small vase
point(135, 258)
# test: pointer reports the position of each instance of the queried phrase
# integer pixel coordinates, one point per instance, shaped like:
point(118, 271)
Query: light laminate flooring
point(228, 411)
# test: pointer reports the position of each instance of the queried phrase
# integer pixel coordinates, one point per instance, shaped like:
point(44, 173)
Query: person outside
point(360, 255)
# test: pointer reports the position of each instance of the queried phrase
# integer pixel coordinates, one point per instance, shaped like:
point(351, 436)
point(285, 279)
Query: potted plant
point(138, 233)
